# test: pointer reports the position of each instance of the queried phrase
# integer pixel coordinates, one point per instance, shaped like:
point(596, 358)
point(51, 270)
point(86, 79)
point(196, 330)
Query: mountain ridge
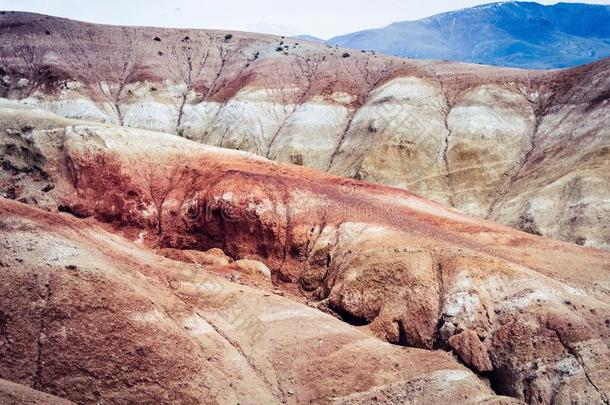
point(513, 34)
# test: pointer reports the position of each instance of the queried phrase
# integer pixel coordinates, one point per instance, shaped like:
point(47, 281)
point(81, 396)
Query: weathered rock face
point(468, 346)
point(550, 176)
point(484, 145)
point(527, 149)
point(90, 316)
point(398, 138)
point(531, 313)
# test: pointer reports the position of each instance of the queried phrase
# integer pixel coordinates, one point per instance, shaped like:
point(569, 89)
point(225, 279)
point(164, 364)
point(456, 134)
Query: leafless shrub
point(21, 59)
point(371, 72)
point(226, 51)
point(108, 75)
point(185, 63)
point(307, 69)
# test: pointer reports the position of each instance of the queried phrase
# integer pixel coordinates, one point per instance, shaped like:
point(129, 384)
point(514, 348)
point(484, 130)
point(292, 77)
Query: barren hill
point(522, 148)
point(192, 216)
point(527, 314)
point(92, 317)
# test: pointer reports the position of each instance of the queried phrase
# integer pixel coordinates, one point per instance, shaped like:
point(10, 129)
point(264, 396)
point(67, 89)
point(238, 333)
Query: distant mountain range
point(515, 34)
point(310, 38)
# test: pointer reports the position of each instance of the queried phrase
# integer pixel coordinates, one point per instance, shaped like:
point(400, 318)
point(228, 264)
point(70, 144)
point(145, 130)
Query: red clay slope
point(89, 316)
point(532, 313)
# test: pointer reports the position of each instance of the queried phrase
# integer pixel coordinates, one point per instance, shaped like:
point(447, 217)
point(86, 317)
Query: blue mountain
point(310, 38)
point(515, 34)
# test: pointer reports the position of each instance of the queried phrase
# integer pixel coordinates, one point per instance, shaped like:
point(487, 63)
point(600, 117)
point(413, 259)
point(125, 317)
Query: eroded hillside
point(528, 314)
point(163, 331)
point(526, 149)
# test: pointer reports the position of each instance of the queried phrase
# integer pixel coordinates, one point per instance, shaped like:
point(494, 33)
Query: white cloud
point(270, 28)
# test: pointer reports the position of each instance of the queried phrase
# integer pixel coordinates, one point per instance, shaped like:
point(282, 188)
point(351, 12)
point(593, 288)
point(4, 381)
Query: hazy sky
point(322, 18)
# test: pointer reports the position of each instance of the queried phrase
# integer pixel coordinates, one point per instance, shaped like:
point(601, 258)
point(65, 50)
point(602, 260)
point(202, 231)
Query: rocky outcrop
point(93, 317)
point(213, 257)
point(252, 267)
point(527, 149)
point(531, 313)
point(469, 348)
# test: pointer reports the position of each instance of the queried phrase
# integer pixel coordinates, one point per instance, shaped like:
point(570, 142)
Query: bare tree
point(21, 59)
point(226, 50)
point(107, 76)
point(280, 92)
point(307, 69)
point(252, 135)
point(244, 133)
point(371, 75)
point(186, 62)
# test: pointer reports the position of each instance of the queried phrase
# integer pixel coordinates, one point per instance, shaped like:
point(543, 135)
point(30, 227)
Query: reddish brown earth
point(15, 394)
point(530, 315)
point(93, 317)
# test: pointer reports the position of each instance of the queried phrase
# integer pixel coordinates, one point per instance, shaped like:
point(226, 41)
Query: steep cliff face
point(529, 313)
point(524, 148)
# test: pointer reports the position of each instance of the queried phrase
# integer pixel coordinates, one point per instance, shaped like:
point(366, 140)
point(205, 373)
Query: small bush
point(47, 32)
point(48, 188)
point(157, 39)
point(279, 49)
point(346, 55)
point(228, 37)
